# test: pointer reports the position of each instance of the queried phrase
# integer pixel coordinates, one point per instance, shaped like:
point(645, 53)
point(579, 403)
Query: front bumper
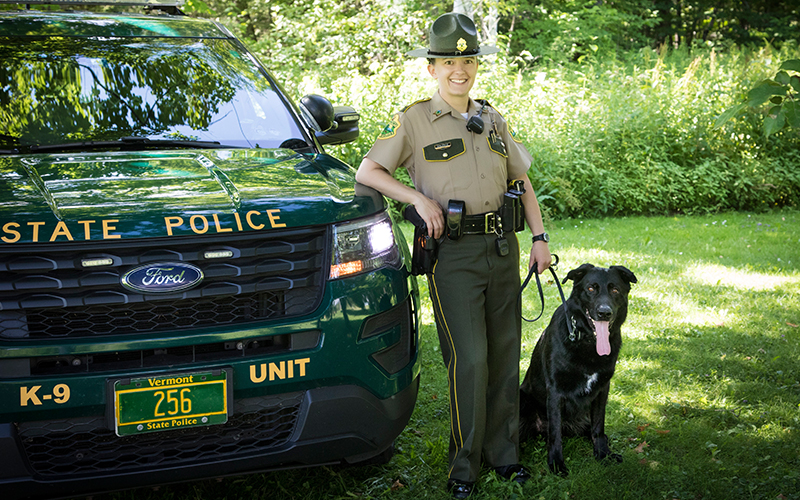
point(316, 427)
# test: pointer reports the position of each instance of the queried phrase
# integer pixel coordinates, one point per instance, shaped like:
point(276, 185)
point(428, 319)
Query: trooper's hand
point(432, 213)
point(540, 255)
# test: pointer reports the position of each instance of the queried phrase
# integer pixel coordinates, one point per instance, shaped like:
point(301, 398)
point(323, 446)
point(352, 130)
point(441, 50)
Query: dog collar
point(574, 333)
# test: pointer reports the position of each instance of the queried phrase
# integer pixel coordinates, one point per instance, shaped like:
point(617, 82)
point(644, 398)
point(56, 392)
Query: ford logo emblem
point(162, 277)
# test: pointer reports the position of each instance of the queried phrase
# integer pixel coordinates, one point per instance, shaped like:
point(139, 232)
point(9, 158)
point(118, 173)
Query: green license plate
point(169, 402)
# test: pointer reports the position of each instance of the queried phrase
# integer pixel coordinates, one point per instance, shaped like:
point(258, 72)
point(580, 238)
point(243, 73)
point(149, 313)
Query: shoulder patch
point(513, 133)
point(390, 130)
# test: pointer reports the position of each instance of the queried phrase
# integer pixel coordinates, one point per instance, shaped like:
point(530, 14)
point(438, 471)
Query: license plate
point(169, 402)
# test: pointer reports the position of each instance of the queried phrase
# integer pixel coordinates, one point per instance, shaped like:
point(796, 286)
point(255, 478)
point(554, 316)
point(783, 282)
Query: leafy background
point(617, 101)
point(623, 105)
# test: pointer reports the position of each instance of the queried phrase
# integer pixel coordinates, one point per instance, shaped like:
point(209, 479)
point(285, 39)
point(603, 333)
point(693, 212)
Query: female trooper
point(459, 150)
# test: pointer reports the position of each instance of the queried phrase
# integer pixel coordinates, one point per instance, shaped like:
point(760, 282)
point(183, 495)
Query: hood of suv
point(94, 196)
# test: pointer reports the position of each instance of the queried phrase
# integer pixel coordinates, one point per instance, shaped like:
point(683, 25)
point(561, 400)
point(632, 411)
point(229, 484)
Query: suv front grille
point(45, 293)
point(86, 445)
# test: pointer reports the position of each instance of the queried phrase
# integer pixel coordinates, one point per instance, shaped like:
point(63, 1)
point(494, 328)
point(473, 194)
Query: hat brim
point(484, 50)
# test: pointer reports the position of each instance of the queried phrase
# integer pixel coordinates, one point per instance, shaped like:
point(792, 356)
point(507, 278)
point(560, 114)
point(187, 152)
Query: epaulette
point(414, 104)
point(390, 130)
point(484, 102)
point(511, 131)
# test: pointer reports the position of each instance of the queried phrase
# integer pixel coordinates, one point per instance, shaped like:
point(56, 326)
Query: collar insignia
point(461, 45)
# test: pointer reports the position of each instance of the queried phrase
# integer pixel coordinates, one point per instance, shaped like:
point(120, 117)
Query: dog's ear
point(626, 273)
point(577, 274)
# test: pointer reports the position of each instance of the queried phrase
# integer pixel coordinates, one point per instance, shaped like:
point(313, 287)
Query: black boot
point(516, 471)
point(459, 489)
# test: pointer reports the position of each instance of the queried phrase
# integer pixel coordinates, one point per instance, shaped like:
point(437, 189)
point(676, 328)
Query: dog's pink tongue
point(603, 345)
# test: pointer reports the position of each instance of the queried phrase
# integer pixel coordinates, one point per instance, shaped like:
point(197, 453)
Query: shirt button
point(478, 149)
point(485, 202)
point(483, 176)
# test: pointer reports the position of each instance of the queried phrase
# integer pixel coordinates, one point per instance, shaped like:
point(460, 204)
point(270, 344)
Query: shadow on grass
point(705, 403)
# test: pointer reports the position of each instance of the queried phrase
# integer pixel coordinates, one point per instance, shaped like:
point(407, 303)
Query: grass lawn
point(705, 402)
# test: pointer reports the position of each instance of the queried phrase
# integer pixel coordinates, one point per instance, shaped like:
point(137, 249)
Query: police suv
point(189, 285)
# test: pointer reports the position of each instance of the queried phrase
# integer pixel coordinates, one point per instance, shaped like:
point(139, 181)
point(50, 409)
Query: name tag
point(443, 151)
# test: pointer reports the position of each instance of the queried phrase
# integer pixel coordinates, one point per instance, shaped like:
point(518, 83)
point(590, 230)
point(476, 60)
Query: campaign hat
point(453, 35)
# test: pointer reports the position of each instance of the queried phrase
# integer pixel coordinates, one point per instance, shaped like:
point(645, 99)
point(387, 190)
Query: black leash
point(534, 271)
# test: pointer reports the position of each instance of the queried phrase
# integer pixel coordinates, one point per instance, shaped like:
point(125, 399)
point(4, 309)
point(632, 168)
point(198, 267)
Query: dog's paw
point(558, 467)
point(608, 457)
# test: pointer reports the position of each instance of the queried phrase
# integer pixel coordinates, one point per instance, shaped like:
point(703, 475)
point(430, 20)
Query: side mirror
point(345, 128)
point(317, 112)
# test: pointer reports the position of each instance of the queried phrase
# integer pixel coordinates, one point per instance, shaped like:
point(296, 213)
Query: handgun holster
point(425, 248)
point(455, 219)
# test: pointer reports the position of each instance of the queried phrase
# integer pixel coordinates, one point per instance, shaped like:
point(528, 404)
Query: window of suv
point(62, 93)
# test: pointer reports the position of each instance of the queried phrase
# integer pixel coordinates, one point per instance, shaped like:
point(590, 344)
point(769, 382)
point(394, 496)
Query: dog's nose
point(604, 312)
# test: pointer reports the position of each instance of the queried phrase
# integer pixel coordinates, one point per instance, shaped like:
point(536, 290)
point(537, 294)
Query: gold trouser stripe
point(451, 368)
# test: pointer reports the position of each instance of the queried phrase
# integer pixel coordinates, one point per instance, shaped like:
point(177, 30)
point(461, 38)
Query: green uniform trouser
point(474, 293)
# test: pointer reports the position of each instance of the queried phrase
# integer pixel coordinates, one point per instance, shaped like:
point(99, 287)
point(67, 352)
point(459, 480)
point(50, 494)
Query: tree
point(48, 94)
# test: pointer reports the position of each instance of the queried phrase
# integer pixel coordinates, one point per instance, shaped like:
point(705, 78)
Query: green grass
point(707, 377)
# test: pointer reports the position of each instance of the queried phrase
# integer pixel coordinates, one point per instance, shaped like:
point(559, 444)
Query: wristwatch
point(541, 237)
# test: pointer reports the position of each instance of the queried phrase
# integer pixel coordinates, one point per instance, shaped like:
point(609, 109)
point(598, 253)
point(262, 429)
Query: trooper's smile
point(456, 76)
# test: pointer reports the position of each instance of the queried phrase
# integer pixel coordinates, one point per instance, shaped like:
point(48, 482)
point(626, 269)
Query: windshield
point(58, 90)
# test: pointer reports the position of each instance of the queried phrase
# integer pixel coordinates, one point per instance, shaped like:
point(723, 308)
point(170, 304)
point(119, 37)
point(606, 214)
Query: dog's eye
point(591, 288)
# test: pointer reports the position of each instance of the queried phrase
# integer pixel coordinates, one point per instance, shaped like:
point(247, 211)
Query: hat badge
point(461, 45)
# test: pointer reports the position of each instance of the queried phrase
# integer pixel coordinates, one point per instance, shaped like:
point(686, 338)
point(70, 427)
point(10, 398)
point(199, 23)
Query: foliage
point(639, 137)
point(613, 137)
point(575, 30)
point(43, 95)
point(783, 95)
point(611, 132)
point(362, 32)
point(704, 403)
point(709, 21)
point(296, 36)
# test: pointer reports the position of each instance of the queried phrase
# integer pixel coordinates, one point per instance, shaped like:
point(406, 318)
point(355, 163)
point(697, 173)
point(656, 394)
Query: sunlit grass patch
point(705, 402)
point(718, 275)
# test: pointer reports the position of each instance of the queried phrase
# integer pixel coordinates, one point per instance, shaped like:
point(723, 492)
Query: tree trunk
point(489, 22)
point(465, 7)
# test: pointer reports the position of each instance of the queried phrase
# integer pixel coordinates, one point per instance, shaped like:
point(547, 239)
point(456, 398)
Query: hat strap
point(456, 53)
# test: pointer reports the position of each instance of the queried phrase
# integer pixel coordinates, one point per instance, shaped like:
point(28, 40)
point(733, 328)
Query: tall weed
point(614, 137)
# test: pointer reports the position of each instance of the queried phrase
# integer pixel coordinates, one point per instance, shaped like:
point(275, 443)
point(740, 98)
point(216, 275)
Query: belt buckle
point(489, 221)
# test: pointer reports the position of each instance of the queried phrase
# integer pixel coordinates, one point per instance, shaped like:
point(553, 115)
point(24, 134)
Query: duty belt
point(488, 223)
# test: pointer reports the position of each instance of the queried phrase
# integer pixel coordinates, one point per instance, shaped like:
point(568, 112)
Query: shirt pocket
point(444, 150)
point(496, 144)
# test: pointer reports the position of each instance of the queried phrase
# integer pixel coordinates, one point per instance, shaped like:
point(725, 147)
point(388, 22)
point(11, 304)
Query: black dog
point(566, 387)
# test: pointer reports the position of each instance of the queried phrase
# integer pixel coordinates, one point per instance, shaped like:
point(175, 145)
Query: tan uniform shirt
point(446, 161)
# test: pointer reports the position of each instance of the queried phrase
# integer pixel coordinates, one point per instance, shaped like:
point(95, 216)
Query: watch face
point(542, 237)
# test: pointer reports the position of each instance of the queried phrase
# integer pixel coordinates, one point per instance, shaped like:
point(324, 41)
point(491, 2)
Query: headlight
point(362, 246)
